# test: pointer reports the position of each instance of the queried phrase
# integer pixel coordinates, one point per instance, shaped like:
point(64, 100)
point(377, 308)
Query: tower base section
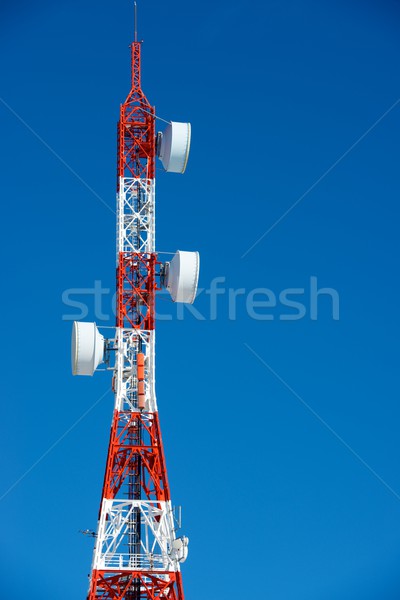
point(135, 585)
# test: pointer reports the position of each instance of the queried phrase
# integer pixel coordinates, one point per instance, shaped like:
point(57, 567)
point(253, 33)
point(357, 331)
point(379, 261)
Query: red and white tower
point(137, 553)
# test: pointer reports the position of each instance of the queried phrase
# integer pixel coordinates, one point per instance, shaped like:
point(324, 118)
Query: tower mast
point(137, 554)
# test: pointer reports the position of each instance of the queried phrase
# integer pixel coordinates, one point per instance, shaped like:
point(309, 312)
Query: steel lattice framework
point(137, 554)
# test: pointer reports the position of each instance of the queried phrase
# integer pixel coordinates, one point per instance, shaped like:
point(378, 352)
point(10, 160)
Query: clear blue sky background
point(279, 502)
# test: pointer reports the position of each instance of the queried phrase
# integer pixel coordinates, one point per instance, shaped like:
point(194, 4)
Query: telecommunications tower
point(137, 552)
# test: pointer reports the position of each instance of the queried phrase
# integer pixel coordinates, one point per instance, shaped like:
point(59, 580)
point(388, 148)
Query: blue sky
point(281, 435)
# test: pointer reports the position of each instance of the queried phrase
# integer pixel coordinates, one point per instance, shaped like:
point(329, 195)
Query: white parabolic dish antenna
point(175, 146)
point(183, 276)
point(87, 348)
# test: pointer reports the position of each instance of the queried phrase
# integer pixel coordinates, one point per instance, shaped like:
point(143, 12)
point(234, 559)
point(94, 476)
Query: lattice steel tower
point(137, 553)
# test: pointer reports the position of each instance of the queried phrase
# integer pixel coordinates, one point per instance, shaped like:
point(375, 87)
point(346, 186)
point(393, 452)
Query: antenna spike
point(135, 19)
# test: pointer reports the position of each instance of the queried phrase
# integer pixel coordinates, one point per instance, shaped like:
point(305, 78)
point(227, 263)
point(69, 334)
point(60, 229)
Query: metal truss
point(136, 138)
point(136, 447)
point(129, 342)
point(137, 553)
point(136, 287)
point(138, 585)
point(157, 535)
point(136, 129)
point(135, 215)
